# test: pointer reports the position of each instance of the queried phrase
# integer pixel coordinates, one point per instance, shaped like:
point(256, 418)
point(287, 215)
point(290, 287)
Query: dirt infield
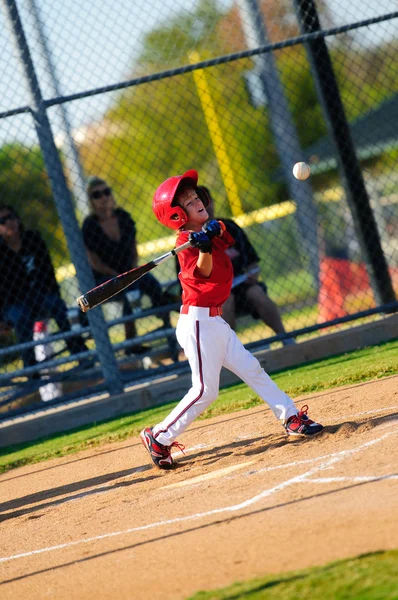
point(244, 501)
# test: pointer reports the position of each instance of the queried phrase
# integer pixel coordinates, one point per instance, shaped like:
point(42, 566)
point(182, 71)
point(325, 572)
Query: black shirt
point(116, 254)
point(28, 274)
point(242, 253)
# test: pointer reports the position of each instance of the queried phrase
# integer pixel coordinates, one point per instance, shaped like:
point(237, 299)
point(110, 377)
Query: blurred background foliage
point(151, 129)
point(136, 136)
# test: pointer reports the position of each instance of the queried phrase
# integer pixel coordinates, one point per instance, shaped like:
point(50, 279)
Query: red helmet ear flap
point(174, 217)
point(203, 195)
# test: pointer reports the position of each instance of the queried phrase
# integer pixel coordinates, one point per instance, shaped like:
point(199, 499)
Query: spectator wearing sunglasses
point(109, 235)
point(28, 288)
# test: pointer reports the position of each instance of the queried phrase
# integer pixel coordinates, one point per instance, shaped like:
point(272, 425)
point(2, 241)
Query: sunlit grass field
point(368, 577)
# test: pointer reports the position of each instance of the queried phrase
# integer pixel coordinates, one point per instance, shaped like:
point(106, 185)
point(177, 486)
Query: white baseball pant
point(209, 344)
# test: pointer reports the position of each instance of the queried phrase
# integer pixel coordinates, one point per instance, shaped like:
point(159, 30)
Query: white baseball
point(301, 170)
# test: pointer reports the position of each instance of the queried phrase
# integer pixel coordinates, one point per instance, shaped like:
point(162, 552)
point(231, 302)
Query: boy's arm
point(204, 266)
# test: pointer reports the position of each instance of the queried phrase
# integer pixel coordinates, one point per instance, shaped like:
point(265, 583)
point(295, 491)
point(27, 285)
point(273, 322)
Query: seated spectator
point(251, 295)
point(28, 287)
point(109, 235)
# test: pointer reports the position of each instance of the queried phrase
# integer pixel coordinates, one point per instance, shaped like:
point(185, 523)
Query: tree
point(25, 186)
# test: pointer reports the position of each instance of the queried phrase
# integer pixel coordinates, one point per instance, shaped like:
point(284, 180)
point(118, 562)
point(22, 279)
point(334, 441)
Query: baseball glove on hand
point(200, 240)
point(212, 228)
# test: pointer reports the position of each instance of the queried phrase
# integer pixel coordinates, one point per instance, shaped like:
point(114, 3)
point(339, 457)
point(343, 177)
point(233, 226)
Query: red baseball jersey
point(206, 291)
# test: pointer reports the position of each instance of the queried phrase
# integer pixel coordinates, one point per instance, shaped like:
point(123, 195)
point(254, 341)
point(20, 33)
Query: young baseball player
point(208, 341)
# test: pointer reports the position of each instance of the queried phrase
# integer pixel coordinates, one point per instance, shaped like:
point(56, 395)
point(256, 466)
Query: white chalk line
point(307, 461)
point(108, 487)
point(330, 459)
point(208, 476)
point(354, 479)
point(366, 412)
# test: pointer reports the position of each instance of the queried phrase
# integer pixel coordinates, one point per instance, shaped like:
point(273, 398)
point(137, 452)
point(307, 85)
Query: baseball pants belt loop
point(211, 311)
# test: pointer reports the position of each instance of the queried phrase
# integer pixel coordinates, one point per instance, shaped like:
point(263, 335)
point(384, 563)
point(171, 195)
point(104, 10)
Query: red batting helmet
point(172, 216)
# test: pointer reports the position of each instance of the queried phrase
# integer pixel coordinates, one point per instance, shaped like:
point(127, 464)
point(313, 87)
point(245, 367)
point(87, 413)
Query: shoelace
point(303, 412)
point(301, 415)
point(181, 447)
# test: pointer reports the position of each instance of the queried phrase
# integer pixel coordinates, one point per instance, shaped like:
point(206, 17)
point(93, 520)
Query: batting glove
point(212, 228)
point(200, 240)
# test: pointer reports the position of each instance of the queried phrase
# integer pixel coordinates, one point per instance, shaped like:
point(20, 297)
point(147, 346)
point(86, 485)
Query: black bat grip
point(105, 291)
point(110, 288)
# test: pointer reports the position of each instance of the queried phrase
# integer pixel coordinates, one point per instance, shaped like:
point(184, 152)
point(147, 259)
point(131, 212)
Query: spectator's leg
point(22, 321)
point(54, 307)
point(131, 331)
point(129, 327)
point(229, 311)
point(150, 286)
point(265, 307)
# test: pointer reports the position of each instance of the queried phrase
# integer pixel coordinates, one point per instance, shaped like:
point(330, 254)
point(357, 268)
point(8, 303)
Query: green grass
point(367, 577)
point(369, 363)
point(355, 367)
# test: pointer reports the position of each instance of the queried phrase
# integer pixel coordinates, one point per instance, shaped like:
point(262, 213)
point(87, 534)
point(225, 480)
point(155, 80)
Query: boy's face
point(194, 207)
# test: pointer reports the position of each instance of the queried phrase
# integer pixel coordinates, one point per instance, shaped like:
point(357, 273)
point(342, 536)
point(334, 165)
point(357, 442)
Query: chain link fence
point(102, 101)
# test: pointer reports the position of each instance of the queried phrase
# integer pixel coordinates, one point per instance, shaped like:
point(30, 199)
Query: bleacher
point(59, 369)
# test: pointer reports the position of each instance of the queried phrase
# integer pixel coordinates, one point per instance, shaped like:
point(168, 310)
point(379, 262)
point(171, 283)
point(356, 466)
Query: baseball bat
point(117, 284)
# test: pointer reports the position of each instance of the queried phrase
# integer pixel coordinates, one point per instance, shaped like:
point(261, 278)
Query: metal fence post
point(62, 196)
point(357, 196)
point(285, 134)
point(72, 158)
